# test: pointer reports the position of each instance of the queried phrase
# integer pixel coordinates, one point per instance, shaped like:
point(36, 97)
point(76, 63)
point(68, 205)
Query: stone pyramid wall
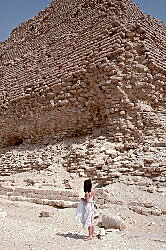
point(81, 65)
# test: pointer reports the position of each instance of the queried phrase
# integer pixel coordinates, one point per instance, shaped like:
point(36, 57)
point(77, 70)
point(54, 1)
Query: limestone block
point(62, 203)
point(115, 79)
point(128, 45)
point(69, 204)
point(39, 201)
point(121, 58)
point(44, 214)
point(122, 34)
point(161, 190)
point(136, 209)
point(128, 54)
point(100, 201)
point(148, 205)
point(115, 222)
point(111, 152)
point(141, 30)
point(157, 212)
point(146, 211)
point(120, 50)
point(164, 211)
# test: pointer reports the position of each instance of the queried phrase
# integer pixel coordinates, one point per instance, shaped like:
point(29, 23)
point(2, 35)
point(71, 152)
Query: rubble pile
point(98, 158)
point(86, 69)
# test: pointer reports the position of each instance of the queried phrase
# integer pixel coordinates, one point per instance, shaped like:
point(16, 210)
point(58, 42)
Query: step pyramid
point(82, 65)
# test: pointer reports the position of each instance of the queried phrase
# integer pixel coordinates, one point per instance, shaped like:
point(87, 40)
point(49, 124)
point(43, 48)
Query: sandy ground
point(23, 228)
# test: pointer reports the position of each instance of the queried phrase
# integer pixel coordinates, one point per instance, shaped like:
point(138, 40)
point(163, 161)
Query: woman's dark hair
point(87, 186)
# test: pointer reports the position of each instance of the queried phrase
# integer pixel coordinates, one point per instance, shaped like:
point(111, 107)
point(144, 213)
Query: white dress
point(85, 212)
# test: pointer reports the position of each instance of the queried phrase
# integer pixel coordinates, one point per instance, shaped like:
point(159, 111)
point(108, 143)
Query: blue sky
point(13, 12)
point(156, 8)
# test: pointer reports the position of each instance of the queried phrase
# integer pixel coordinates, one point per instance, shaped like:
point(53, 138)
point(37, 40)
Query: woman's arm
point(94, 194)
point(86, 199)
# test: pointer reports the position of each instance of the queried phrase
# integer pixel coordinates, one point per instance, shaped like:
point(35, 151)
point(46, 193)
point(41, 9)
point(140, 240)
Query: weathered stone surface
point(53, 86)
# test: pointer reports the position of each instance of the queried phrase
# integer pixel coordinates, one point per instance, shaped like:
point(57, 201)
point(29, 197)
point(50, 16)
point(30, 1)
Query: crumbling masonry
point(81, 65)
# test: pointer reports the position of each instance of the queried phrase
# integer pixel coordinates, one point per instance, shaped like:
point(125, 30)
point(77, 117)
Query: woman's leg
point(90, 230)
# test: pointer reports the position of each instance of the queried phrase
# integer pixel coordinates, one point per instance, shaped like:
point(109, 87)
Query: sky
point(13, 12)
point(156, 8)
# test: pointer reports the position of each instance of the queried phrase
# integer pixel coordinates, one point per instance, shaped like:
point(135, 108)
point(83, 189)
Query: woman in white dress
point(85, 209)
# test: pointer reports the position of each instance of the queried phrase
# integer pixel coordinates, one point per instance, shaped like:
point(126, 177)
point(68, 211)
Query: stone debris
point(44, 214)
point(101, 234)
point(161, 190)
point(67, 184)
point(96, 216)
point(147, 209)
point(94, 162)
point(151, 223)
point(56, 198)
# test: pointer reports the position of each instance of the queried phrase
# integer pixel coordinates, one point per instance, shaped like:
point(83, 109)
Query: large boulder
point(115, 222)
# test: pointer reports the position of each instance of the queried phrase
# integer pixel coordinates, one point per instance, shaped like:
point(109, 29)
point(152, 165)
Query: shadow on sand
point(75, 236)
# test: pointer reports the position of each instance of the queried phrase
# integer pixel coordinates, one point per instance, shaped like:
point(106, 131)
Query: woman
point(85, 209)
